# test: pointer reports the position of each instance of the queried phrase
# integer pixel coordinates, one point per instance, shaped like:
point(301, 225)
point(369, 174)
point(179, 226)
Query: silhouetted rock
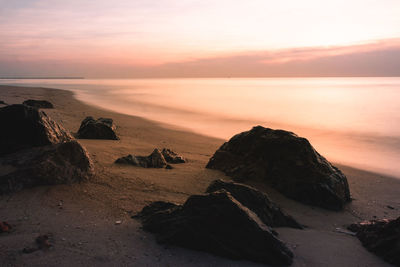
point(38, 103)
point(215, 223)
point(35, 150)
point(258, 202)
point(154, 160)
point(24, 127)
point(102, 128)
point(381, 237)
point(171, 157)
point(286, 162)
point(3, 103)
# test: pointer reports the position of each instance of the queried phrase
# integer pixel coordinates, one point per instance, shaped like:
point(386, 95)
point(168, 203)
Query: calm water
point(354, 121)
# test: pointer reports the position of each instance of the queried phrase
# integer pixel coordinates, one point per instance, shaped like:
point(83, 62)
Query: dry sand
point(83, 228)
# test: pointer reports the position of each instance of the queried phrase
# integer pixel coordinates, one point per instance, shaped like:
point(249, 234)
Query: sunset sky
point(168, 38)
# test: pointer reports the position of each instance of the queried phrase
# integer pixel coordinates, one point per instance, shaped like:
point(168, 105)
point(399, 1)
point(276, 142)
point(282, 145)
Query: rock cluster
point(286, 162)
point(231, 220)
point(381, 237)
point(35, 150)
point(215, 223)
point(157, 159)
point(38, 103)
point(102, 128)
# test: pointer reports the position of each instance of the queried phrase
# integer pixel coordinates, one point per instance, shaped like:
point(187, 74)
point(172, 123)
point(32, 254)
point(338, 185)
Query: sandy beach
point(84, 229)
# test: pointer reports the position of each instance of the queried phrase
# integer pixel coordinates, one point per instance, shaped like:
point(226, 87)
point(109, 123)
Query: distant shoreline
point(41, 78)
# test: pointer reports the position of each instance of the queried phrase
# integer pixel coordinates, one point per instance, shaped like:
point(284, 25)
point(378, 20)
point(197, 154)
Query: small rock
point(154, 160)
point(5, 227)
point(3, 103)
point(157, 159)
point(390, 207)
point(118, 222)
point(102, 128)
point(43, 242)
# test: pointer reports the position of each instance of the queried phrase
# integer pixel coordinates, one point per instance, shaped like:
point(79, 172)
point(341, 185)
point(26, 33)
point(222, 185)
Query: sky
point(199, 38)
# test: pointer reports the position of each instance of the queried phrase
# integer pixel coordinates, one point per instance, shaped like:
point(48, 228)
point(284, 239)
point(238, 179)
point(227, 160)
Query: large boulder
point(285, 161)
point(258, 202)
point(38, 103)
point(215, 223)
point(381, 237)
point(62, 163)
point(102, 128)
point(35, 150)
point(25, 127)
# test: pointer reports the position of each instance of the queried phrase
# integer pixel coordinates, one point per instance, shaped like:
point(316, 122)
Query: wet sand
point(83, 228)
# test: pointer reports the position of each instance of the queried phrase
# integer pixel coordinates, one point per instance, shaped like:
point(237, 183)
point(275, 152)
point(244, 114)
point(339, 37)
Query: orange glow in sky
point(146, 33)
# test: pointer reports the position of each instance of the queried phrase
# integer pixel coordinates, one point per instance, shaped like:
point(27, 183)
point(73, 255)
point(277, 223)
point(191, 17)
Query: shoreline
point(85, 230)
point(346, 137)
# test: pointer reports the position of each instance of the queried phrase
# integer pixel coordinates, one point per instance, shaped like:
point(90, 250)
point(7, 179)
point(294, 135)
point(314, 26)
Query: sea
point(350, 121)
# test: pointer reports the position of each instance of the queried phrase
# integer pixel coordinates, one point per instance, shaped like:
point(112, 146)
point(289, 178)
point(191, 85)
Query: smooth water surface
point(354, 121)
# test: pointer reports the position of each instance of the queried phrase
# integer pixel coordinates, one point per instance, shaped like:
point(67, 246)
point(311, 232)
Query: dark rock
point(154, 160)
point(25, 127)
point(48, 165)
point(3, 103)
point(42, 242)
point(101, 128)
point(381, 237)
point(286, 162)
point(215, 223)
point(5, 227)
point(35, 150)
point(154, 207)
point(38, 103)
point(128, 160)
point(258, 202)
point(171, 157)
